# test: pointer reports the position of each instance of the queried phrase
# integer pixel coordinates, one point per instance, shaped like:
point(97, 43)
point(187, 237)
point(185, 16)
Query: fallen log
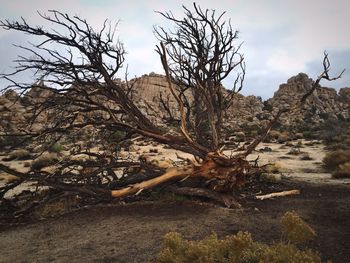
point(278, 194)
point(216, 168)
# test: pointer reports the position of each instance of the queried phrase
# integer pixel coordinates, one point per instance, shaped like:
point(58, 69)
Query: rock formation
point(154, 98)
point(324, 103)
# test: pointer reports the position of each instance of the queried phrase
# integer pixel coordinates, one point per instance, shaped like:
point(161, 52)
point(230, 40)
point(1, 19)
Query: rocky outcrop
point(12, 112)
point(151, 92)
point(152, 95)
point(245, 110)
point(15, 110)
point(323, 104)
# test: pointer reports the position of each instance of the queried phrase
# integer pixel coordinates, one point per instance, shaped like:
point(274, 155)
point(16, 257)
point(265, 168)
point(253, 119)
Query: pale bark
point(278, 194)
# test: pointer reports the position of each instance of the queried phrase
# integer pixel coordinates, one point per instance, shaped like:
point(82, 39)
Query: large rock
point(324, 103)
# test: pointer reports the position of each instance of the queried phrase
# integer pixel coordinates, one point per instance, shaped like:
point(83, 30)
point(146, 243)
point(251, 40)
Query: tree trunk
point(225, 173)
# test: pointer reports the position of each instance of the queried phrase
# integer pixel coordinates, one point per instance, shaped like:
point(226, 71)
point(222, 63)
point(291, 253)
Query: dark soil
point(134, 232)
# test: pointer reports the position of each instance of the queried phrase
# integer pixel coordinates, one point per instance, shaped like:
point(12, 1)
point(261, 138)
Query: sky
point(280, 37)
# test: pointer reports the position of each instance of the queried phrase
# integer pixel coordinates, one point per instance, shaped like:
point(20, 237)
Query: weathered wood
point(206, 170)
point(277, 194)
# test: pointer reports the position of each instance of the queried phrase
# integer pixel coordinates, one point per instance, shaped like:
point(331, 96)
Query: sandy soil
point(292, 167)
point(134, 232)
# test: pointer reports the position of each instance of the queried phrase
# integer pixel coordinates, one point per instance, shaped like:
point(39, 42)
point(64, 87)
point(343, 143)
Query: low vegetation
point(21, 154)
point(338, 162)
point(241, 247)
point(336, 134)
point(343, 171)
point(57, 148)
point(334, 159)
point(44, 161)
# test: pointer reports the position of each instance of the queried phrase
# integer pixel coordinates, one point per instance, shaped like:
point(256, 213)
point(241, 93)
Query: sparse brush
point(44, 161)
point(333, 160)
point(270, 178)
point(284, 137)
point(56, 207)
point(294, 151)
point(309, 135)
point(240, 248)
point(306, 157)
point(57, 148)
point(275, 168)
point(295, 229)
point(274, 134)
point(116, 137)
point(343, 171)
point(21, 154)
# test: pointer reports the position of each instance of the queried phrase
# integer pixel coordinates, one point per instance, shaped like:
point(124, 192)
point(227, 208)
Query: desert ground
point(133, 232)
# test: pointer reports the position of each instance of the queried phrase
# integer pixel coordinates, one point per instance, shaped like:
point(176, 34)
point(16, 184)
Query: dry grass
point(295, 229)
point(21, 154)
point(332, 160)
point(343, 171)
point(241, 248)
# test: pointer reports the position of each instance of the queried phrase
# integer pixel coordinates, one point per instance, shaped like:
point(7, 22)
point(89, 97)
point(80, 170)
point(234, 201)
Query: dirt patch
point(134, 232)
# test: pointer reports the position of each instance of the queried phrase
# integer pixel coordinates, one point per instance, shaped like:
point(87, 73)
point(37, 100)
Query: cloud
point(281, 38)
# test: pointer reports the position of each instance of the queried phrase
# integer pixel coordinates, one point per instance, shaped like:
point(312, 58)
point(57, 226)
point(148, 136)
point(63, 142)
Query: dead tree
point(79, 66)
point(198, 55)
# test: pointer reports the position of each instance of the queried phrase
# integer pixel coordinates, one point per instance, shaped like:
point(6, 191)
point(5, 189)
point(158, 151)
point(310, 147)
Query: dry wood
point(278, 194)
point(175, 173)
point(197, 56)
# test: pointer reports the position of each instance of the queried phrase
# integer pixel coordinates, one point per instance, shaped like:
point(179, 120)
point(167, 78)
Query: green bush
point(240, 248)
point(57, 148)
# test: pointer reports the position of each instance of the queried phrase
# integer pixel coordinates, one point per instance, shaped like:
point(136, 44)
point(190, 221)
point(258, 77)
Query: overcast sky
point(281, 37)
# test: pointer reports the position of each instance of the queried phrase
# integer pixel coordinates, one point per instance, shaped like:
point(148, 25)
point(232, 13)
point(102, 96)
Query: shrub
point(298, 136)
point(21, 154)
point(273, 135)
point(310, 135)
point(44, 161)
point(295, 229)
point(240, 248)
point(11, 141)
point(333, 160)
point(343, 171)
point(56, 207)
point(240, 136)
point(57, 148)
point(306, 157)
point(275, 168)
point(284, 137)
point(294, 151)
point(117, 137)
point(336, 134)
point(270, 178)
